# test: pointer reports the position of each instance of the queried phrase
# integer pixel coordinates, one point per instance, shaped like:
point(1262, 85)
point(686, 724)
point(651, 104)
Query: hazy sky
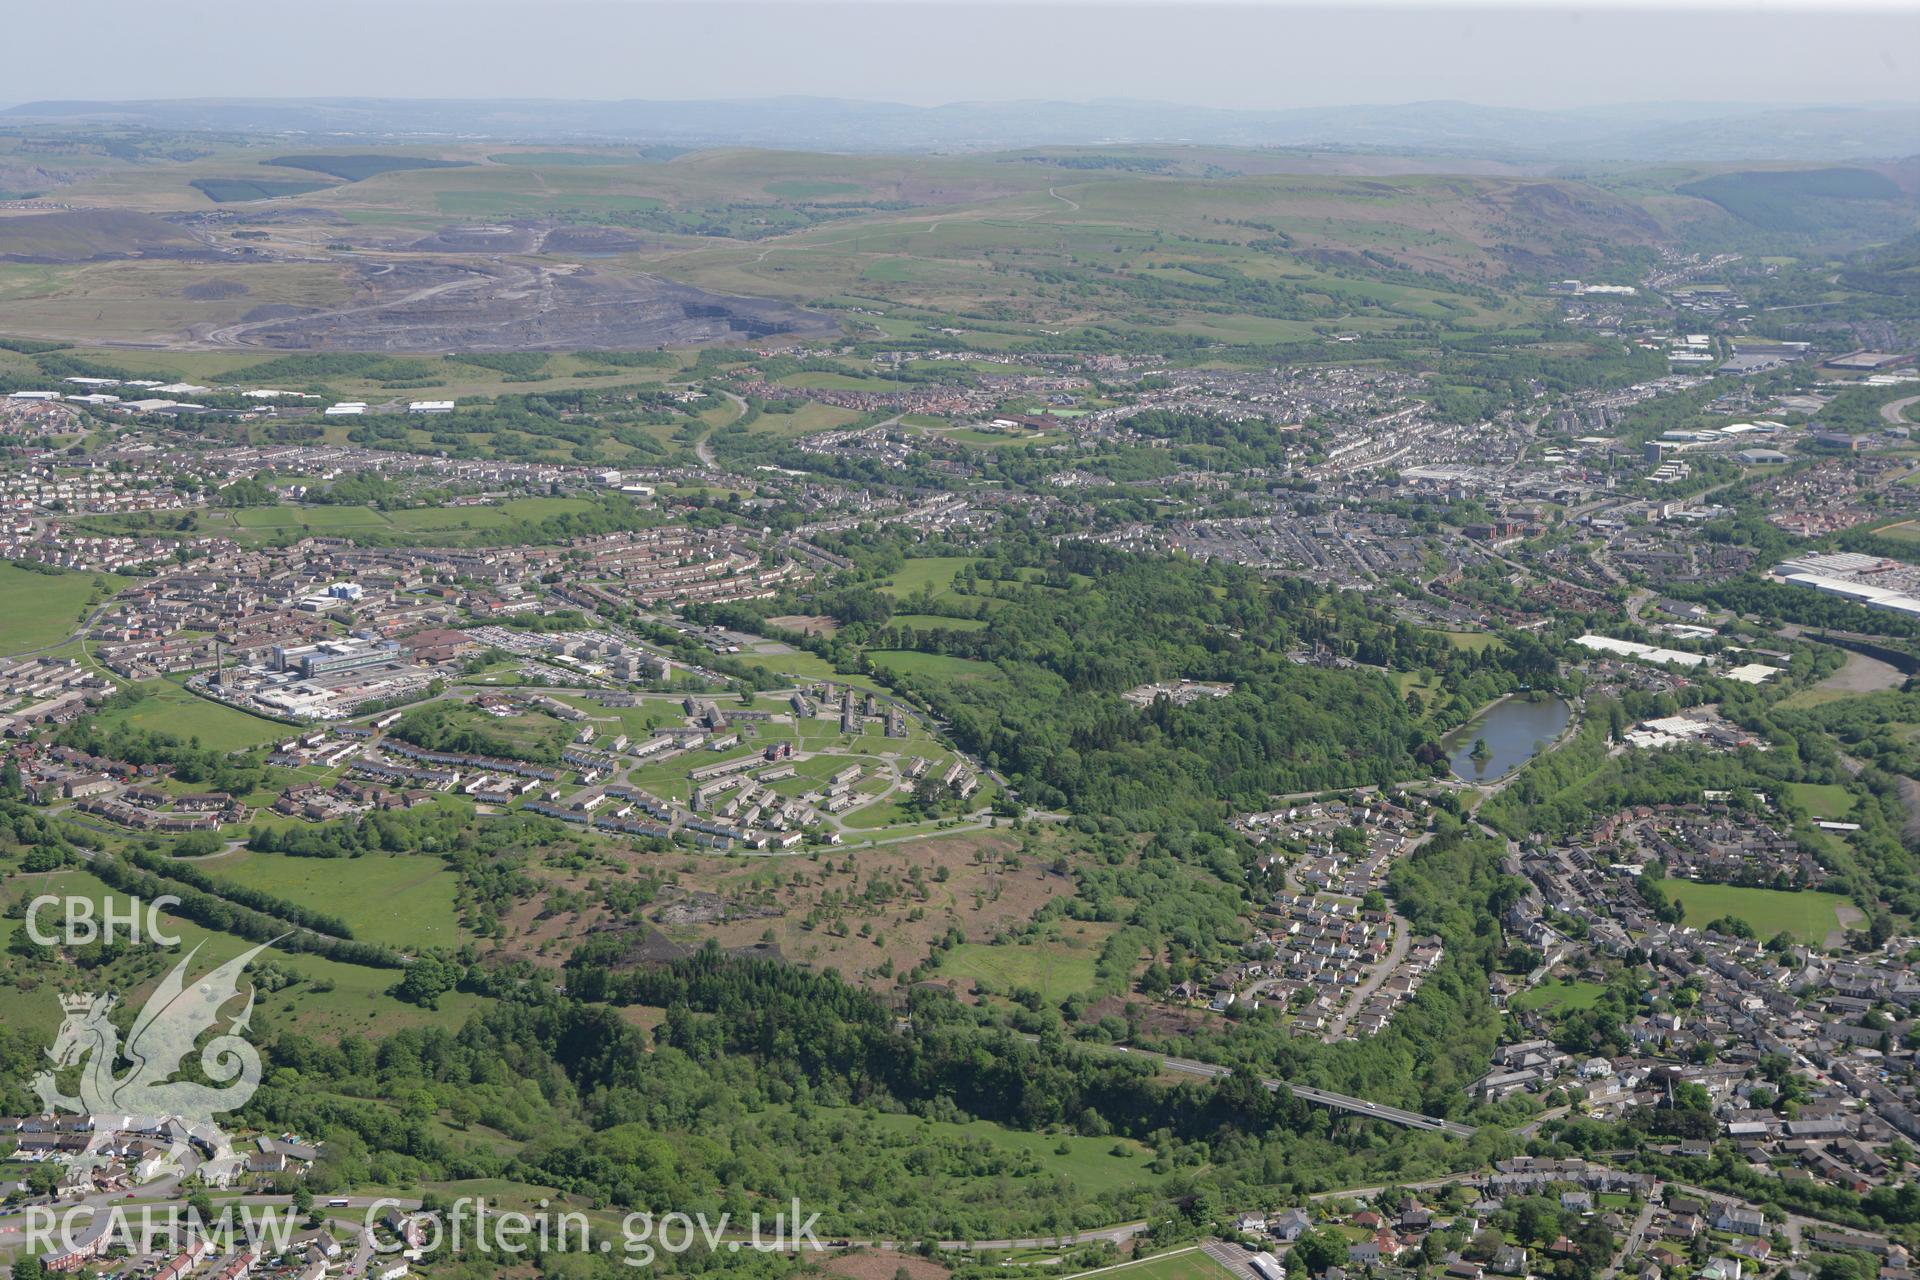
point(1248, 54)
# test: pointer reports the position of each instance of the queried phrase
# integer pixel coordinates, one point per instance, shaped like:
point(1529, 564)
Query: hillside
point(87, 235)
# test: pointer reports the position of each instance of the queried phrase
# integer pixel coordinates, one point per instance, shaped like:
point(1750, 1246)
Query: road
point(705, 451)
point(1381, 972)
point(1533, 1126)
point(1320, 1097)
point(1893, 410)
point(1402, 941)
point(1631, 1246)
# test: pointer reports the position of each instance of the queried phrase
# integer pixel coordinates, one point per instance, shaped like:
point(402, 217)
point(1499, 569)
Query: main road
point(1306, 1093)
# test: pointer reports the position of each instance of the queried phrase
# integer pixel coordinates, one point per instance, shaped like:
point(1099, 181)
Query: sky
point(1250, 54)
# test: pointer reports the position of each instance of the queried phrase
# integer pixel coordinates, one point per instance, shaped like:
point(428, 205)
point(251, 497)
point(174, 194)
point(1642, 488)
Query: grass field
point(1559, 995)
point(1805, 914)
point(401, 900)
point(801, 189)
point(943, 666)
point(43, 609)
point(1806, 699)
point(332, 998)
point(1471, 641)
point(1054, 970)
point(807, 418)
point(331, 519)
point(1089, 1163)
point(932, 571)
point(935, 622)
point(168, 708)
point(1828, 800)
point(1181, 1264)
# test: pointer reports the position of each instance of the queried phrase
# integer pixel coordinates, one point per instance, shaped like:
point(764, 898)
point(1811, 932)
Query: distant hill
point(1791, 199)
point(83, 235)
point(1714, 132)
point(355, 168)
point(225, 190)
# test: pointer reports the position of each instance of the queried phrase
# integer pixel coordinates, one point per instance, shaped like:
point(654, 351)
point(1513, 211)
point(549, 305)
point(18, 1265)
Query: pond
point(1515, 730)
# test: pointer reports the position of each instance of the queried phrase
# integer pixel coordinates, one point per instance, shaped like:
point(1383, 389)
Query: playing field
point(43, 609)
point(1823, 800)
point(1181, 1264)
point(1805, 914)
point(1561, 995)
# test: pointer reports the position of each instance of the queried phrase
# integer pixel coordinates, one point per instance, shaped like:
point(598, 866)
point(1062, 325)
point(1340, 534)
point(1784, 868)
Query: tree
point(426, 980)
point(1317, 1249)
point(1535, 1220)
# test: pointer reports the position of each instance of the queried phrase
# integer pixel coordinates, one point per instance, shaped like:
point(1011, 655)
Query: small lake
point(1516, 730)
